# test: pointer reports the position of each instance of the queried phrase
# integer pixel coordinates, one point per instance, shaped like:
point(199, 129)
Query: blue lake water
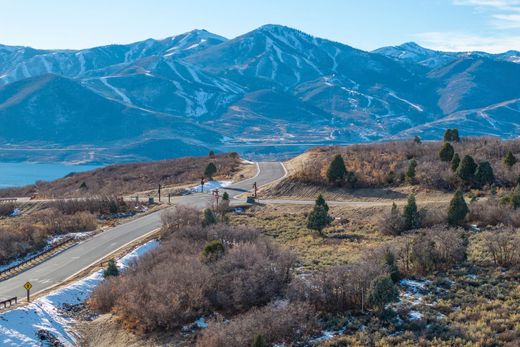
point(19, 174)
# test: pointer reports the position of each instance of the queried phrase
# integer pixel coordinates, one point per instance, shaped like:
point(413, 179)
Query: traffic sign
point(27, 285)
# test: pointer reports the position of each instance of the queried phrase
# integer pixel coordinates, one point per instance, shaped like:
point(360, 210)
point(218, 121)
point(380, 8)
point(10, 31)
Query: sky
point(452, 25)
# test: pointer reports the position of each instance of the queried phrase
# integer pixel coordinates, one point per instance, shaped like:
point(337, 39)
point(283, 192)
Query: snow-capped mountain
point(272, 87)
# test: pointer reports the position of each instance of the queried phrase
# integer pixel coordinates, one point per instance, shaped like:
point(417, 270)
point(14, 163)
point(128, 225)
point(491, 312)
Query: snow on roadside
point(208, 186)
point(19, 327)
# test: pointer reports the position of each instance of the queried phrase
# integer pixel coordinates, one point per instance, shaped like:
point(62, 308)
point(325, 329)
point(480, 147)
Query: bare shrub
point(276, 323)
point(180, 217)
point(339, 288)
point(58, 223)
point(503, 247)
point(435, 249)
point(97, 205)
point(7, 208)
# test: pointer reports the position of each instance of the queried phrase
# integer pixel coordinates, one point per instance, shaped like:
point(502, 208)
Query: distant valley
point(271, 91)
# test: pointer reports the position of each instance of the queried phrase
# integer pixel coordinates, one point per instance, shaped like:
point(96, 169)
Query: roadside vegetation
point(134, 177)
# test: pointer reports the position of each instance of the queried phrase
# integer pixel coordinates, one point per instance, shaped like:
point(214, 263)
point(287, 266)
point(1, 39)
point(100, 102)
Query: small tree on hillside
point(213, 250)
point(393, 224)
point(111, 269)
point(455, 162)
point(320, 201)
point(393, 270)
point(514, 197)
point(446, 153)
point(337, 172)
point(319, 217)
point(484, 174)
point(410, 172)
point(417, 140)
point(211, 154)
point(209, 218)
point(382, 291)
point(451, 135)
point(210, 170)
point(466, 169)
point(510, 159)
point(411, 216)
point(458, 209)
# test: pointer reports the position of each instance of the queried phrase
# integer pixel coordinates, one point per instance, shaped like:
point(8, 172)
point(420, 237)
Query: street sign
point(27, 285)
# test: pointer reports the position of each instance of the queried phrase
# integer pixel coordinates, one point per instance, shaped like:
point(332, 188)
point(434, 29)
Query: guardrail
point(9, 301)
point(35, 260)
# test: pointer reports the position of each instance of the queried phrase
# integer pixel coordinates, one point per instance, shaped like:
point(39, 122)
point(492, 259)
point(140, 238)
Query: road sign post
point(202, 185)
point(255, 188)
point(28, 287)
point(159, 191)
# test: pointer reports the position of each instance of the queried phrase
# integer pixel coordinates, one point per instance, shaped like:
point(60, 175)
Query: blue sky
point(488, 25)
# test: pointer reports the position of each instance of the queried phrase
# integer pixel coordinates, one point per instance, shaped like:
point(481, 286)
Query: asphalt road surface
point(66, 264)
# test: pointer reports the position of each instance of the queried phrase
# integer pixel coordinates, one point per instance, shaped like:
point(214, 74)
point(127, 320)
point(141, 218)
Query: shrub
point(111, 269)
point(393, 270)
point(410, 172)
point(503, 247)
point(382, 291)
point(180, 217)
point(411, 217)
point(466, 169)
point(392, 223)
point(455, 162)
point(510, 159)
point(446, 153)
point(458, 209)
point(209, 217)
point(213, 250)
point(514, 197)
point(484, 174)
point(274, 323)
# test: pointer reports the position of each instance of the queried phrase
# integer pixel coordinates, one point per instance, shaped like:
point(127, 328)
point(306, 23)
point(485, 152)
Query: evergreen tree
point(382, 291)
point(410, 172)
point(446, 153)
point(259, 341)
point(395, 275)
point(458, 209)
point(209, 217)
point(213, 250)
point(466, 169)
point(455, 162)
point(514, 198)
point(484, 174)
point(211, 154)
point(447, 135)
point(210, 170)
point(337, 171)
point(225, 196)
point(395, 223)
point(318, 219)
point(321, 202)
point(451, 135)
point(510, 159)
point(111, 269)
point(411, 216)
point(417, 140)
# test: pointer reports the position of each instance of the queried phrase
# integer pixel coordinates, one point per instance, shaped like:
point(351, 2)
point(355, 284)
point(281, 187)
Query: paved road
point(62, 266)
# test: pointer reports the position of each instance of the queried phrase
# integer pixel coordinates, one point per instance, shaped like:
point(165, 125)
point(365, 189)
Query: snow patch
point(19, 327)
point(208, 186)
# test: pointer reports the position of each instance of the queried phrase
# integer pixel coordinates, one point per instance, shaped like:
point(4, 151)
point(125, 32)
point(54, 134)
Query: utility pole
point(169, 196)
point(202, 185)
point(255, 188)
point(159, 191)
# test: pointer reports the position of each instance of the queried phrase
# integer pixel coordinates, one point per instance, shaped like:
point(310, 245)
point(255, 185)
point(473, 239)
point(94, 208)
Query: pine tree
point(210, 170)
point(225, 196)
point(458, 209)
point(417, 140)
point(211, 154)
point(510, 160)
point(259, 341)
point(484, 174)
point(337, 171)
point(455, 162)
point(382, 291)
point(111, 269)
point(318, 219)
point(410, 172)
point(466, 169)
point(446, 153)
point(451, 135)
point(320, 201)
point(395, 275)
point(514, 197)
point(411, 216)
point(209, 217)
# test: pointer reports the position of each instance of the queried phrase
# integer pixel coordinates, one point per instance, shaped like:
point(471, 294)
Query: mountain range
point(272, 90)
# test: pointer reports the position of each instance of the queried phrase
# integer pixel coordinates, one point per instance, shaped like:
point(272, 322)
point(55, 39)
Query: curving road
point(75, 259)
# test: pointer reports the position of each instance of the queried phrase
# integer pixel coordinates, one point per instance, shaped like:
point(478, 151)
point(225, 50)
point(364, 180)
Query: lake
point(19, 174)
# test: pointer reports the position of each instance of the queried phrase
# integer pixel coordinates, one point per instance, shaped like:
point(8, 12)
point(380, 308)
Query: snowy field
point(19, 327)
